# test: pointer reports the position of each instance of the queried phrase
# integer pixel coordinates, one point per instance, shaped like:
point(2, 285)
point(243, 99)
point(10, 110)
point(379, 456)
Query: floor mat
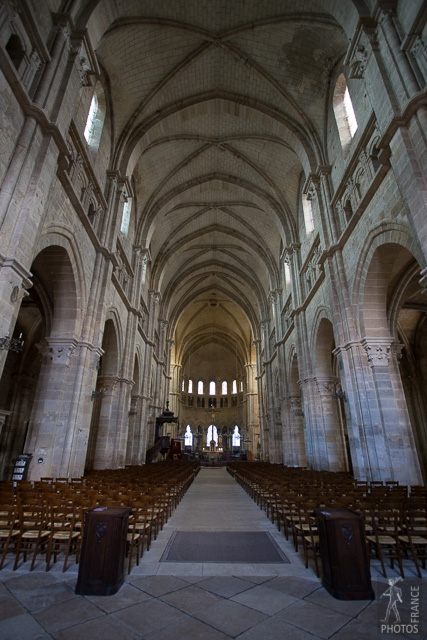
point(249, 547)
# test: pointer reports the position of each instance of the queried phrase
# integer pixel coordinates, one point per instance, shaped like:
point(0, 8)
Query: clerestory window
point(344, 112)
point(127, 208)
point(308, 214)
point(95, 118)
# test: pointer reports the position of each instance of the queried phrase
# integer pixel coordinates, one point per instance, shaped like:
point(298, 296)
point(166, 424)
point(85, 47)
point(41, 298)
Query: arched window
point(127, 208)
point(234, 390)
point(91, 213)
point(344, 112)
point(95, 118)
point(200, 387)
point(188, 439)
point(308, 214)
point(16, 50)
point(183, 385)
point(236, 437)
point(348, 209)
point(224, 387)
point(212, 388)
point(212, 434)
point(90, 122)
point(241, 385)
point(287, 270)
point(190, 386)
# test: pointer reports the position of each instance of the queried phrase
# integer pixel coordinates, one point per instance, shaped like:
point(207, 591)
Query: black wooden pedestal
point(101, 567)
point(345, 563)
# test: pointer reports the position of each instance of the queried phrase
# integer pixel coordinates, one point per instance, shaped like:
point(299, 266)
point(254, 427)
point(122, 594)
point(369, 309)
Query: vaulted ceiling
point(219, 114)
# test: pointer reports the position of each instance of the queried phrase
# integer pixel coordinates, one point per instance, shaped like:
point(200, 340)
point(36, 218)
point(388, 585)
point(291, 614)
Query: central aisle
point(216, 502)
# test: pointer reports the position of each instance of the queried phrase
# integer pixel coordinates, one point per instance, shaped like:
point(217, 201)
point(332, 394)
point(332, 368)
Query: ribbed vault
point(218, 117)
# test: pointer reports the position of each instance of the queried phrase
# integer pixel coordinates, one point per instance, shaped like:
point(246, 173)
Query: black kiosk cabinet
point(345, 563)
point(101, 566)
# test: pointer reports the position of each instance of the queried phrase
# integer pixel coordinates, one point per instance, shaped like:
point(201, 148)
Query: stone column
point(263, 422)
point(155, 357)
point(251, 405)
point(76, 410)
point(175, 389)
point(47, 431)
point(328, 427)
point(355, 376)
point(133, 432)
point(294, 444)
point(394, 441)
point(311, 407)
point(105, 449)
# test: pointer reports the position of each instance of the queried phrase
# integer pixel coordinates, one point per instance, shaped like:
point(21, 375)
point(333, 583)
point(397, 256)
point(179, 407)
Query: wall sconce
point(12, 344)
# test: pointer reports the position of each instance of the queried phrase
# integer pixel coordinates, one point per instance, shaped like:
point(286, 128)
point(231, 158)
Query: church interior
point(213, 245)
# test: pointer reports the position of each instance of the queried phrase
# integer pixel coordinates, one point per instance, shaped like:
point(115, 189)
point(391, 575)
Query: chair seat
point(415, 539)
point(33, 534)
point(382, 539)
point(64, 535)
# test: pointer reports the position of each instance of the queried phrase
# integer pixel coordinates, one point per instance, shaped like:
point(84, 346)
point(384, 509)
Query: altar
point(213, 455)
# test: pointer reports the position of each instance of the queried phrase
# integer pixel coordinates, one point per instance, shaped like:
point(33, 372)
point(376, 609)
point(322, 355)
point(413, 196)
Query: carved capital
point(378, 352)
point(143, 256)
point(155, 297)
point(106, 385)
point(272, 297)
point(163, 325)
point(58, 351)
point(325, 386)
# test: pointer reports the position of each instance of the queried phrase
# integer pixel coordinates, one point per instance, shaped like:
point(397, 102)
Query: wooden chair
point(305, 524)
point(310, 541)
point(144, 524)
point(414, 538)
point(63, 535)
point(132, 541)
point(33, 531)
point(147, 503)
point(9, 529)
point(292, 519)
point(387, 527)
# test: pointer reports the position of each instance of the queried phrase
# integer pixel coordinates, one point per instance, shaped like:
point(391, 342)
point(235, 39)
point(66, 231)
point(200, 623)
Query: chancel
point(213, 248)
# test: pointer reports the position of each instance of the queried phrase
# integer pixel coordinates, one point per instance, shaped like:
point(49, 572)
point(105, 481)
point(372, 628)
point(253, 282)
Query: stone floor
point(210, 601)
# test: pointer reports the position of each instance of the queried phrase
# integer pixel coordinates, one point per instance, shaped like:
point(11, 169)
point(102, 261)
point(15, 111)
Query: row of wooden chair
point(48, 516)
point(395, 516)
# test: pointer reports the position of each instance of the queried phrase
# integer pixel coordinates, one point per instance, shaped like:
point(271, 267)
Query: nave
point(166, 600)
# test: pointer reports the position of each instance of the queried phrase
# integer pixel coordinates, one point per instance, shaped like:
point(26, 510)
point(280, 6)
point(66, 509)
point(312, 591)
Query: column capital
point(326, 386)
point(59, 350)
point(163, 324)
point(378, 351)
point(143, 254)
point(155, 296)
